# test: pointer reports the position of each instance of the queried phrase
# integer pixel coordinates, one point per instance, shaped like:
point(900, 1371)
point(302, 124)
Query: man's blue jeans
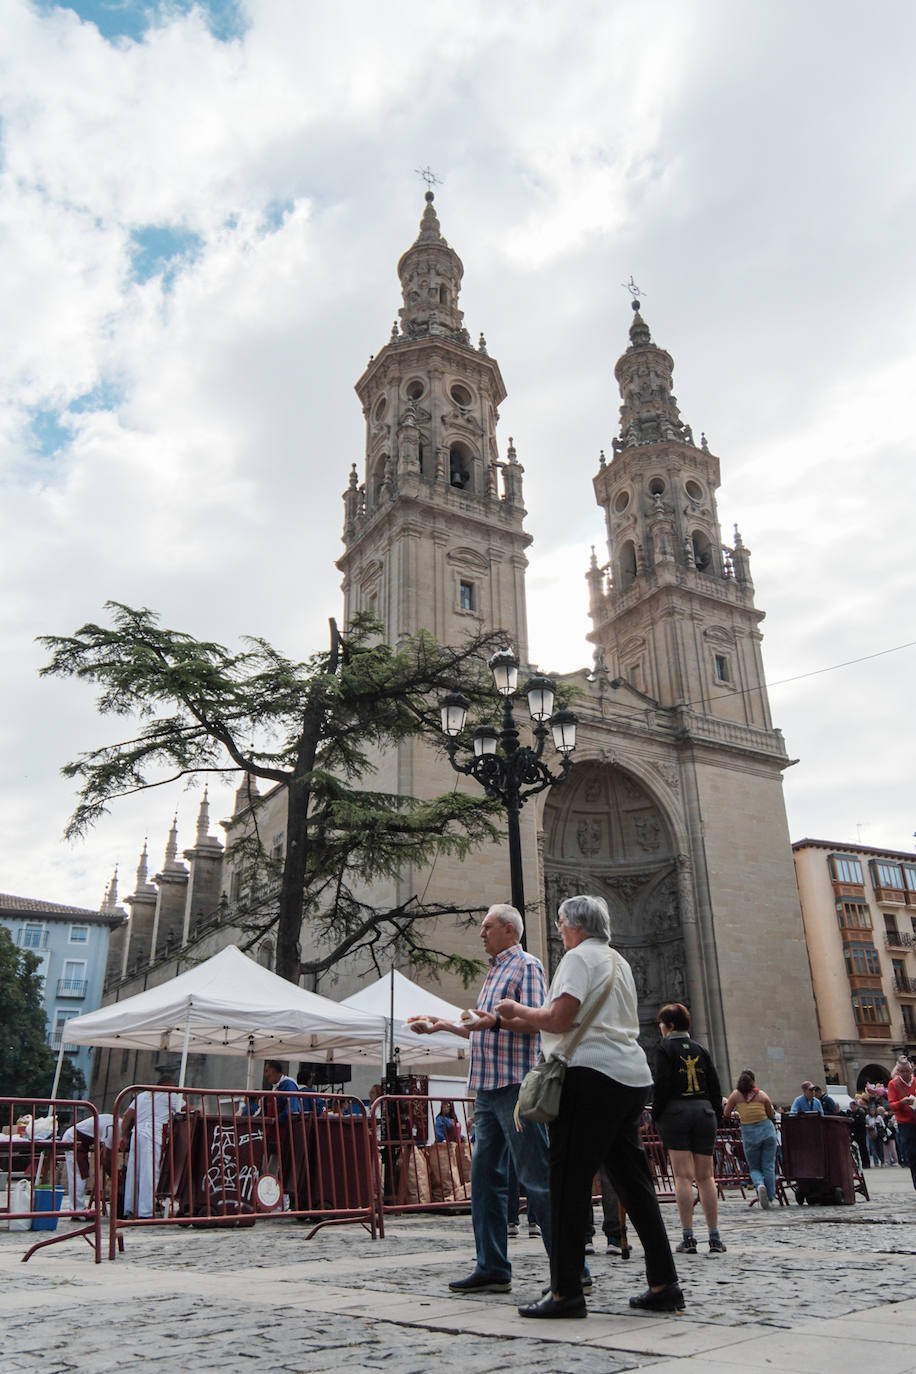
point(495, 1136)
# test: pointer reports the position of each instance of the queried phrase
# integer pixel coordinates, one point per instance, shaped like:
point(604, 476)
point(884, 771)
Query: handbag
point(540, 1090)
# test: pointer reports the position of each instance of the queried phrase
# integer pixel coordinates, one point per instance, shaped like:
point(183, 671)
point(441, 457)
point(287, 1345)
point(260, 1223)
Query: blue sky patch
point(47, 431)
point(105, 396)
point(132, 18)
point(162, 250)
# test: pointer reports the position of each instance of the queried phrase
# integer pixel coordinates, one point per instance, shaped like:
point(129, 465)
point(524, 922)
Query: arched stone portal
point(605, 834)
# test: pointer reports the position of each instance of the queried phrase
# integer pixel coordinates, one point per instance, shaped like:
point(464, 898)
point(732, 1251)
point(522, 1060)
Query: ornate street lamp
point(506, 769)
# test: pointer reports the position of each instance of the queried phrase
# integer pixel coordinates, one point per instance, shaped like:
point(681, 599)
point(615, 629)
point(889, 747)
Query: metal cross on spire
point(429, 177)
point(634, 291)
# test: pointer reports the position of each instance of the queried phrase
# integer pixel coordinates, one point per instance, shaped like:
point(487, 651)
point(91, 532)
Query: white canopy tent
point(396, 997)
point(230, 1005)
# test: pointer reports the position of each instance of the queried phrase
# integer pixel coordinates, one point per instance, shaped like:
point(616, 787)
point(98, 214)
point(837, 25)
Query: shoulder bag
point(540, 1089)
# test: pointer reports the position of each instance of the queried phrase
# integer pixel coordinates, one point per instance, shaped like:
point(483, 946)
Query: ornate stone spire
point(144, 886)
point(247, 793)
point(649, 414)
point(203, 818)
point(431, 273)
point(172, 863)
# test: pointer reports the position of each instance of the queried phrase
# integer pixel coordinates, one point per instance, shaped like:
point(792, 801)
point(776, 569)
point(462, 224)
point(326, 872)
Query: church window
point(870, 1008)
point(460, 395)
point(381, 406)
point(415, 389)
point(722, 669)
point(694, 490)
point(443, 295)
point(862, 959)
point(656, 486)
point(621, 501)
point(627, 565)
point(466, 598)
point(845, 870)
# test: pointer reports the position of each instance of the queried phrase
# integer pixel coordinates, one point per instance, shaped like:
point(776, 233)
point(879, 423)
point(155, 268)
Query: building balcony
point(71, 987)
point(905, 984)
point(868, 982)
point(896, 939)
point(894, 895)
point(56, 1039)
point(855, 890)
point(869, 1030)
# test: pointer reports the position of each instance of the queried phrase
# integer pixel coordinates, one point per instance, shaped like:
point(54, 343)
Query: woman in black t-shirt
point(687, 1107)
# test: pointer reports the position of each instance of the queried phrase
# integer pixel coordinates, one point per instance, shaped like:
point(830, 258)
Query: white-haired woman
point(605, 1090)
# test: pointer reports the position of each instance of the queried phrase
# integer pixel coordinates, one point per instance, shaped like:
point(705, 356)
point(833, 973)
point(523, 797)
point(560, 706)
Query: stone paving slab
point(226, 1300)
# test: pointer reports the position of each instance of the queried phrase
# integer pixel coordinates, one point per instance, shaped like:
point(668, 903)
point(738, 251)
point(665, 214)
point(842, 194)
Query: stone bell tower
point(674, 811)
point(433, 527)
point(434, 533)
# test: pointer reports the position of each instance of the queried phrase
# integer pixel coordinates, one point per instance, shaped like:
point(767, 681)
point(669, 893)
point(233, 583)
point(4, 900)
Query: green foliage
point(311, 727)
point(27, 1061)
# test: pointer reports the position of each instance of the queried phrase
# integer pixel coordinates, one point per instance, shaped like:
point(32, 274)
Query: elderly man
point(806, 1101)
point(901, 1099)
point(499, 1062)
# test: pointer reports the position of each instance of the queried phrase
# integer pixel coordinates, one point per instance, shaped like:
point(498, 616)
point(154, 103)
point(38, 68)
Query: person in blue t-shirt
point(282, 1083)
point(806, 1101)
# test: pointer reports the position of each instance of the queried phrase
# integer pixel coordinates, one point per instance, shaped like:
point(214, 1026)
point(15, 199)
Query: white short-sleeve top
point(610, 1044)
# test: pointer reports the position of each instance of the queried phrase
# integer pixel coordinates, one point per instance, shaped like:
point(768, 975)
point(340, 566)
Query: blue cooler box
point(47, 1200)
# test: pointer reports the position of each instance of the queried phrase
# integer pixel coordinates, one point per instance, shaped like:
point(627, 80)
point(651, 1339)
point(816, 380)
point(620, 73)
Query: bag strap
point(598, 1005)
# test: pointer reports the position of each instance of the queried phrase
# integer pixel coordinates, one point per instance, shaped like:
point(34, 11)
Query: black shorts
point(688, 1125)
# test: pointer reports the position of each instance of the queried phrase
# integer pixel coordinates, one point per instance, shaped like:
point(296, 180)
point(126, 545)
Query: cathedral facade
point(673, 810)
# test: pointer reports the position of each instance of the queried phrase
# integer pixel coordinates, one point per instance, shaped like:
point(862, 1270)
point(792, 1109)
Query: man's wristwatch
point(496, 1024)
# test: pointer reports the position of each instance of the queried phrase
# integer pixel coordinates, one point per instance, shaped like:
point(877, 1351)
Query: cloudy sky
point(201, 211)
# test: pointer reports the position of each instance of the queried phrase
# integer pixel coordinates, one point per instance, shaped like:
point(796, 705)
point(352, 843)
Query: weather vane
point(429, 177)
point(633, 290)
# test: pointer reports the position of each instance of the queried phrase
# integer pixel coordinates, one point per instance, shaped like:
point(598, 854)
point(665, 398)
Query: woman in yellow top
point(758, 1134)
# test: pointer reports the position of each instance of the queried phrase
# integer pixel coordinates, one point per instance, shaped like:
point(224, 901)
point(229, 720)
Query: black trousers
point(598, 1123)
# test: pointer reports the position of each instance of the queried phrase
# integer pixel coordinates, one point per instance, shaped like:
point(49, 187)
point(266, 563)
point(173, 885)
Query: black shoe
point(668, 1299)
point(717, 1247)
point(549, 1306)
point(688, 1246)
point(480, 1283)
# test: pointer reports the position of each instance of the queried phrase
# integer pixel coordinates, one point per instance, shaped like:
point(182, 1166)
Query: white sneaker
point(763, 1196)
point(513, 1228)
point(533, 1229)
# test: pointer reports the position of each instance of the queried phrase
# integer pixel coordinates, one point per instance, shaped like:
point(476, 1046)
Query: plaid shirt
point(504, 1057)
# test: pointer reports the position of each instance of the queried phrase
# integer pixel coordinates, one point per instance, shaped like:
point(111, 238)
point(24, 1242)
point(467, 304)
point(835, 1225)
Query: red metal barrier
point(419, 1171)
point(202, 1157)
point(45, 1166)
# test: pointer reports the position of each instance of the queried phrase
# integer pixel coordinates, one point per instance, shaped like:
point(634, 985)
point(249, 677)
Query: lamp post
point(506, 769)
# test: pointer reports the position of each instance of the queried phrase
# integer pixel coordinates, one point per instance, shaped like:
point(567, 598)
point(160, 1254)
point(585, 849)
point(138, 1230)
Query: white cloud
point(715, 152)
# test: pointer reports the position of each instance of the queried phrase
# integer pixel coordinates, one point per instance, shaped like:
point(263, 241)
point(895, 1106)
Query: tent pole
point(391, 1021)
point(184, 1049)
point(249, 1071)
point(60, 1064)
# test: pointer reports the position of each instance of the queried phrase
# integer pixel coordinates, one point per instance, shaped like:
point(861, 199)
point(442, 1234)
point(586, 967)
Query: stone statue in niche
point(588, 836)
point(648, 831)
point(638, 965)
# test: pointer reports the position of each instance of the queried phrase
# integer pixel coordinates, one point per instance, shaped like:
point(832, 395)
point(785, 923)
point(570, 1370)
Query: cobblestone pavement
point(800, 1289)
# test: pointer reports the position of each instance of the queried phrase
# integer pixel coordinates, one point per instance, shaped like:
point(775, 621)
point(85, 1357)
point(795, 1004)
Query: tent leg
point(184, 1050)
